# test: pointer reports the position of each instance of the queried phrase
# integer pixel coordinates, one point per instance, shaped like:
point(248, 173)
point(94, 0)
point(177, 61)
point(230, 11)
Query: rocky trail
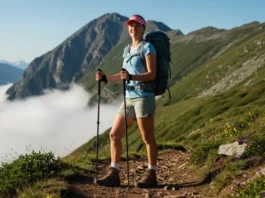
point(174, 180)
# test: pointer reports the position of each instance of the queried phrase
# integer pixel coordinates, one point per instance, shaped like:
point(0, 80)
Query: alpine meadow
point(217, 101)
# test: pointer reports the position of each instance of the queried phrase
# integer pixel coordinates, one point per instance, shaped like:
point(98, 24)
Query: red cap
point(137, 19)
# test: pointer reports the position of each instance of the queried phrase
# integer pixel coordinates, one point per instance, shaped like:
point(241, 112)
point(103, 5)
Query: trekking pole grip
point(128, 81)
point(104, 77)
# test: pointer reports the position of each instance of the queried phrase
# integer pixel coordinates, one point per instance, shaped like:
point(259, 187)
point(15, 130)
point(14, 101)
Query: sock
point(152, 167)
point(115, 165)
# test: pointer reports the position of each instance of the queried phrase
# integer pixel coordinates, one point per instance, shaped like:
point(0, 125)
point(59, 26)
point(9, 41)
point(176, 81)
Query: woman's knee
point(114, 136)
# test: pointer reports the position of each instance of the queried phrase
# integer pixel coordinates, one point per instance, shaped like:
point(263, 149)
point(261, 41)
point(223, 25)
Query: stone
point(234, 149)
point(171, 179)
point(141, 167)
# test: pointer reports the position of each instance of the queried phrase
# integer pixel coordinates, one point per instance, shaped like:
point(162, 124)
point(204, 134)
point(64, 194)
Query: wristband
point(130, 77)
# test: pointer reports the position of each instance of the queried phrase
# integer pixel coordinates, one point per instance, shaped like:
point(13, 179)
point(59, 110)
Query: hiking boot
point(111, 179)
point(149, 181)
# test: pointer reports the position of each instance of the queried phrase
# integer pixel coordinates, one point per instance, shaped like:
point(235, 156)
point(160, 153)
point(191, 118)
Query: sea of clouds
point(58, 121)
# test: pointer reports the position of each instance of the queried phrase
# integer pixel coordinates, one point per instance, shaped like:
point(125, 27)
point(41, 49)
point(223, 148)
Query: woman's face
point(136, 30)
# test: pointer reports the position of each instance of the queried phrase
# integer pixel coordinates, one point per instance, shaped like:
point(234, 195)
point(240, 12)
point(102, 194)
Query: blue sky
point(30, 28)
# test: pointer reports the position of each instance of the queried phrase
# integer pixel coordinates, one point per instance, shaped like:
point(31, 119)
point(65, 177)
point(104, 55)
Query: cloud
point(57, 121)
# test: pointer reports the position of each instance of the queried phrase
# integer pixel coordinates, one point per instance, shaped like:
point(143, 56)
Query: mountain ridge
point(21, 64)
point(9, 73)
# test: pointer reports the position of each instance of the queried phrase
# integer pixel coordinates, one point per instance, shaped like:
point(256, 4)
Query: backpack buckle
point(142, 86)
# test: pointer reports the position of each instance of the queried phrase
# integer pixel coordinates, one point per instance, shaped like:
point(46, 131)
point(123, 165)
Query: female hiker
point(140, 104)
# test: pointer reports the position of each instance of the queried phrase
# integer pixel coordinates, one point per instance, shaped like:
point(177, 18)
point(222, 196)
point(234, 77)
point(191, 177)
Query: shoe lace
point(110, 173)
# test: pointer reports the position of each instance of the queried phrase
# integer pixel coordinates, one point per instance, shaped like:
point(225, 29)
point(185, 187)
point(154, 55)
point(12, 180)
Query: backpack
point(161, 44)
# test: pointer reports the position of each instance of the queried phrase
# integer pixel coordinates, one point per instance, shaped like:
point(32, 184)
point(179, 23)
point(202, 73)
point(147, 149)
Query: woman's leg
point(146, 126)
point(112, 178)
point(116, 135)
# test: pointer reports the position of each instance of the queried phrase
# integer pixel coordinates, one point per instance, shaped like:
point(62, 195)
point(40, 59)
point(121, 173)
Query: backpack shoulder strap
point(141, 51)
point(126, 50)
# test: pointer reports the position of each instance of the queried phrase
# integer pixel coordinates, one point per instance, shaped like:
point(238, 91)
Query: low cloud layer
point(57, 121)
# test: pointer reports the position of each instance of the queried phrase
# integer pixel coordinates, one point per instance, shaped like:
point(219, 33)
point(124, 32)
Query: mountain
point(19, 64)
point(78, 55)
point(9, 74)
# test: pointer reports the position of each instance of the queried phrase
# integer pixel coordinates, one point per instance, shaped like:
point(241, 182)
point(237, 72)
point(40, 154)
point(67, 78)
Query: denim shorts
point(139, 107)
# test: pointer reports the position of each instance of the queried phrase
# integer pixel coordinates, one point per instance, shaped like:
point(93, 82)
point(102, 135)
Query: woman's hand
point(99, 75)
point(124, 75)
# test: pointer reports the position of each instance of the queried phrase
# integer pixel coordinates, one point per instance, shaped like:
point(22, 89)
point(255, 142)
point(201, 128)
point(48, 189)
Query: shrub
point(27, 169)
point(200, 155)
point(256, 146)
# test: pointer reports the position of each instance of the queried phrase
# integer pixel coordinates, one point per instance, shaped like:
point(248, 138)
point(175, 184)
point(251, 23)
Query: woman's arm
point(147, 76)
point(111, 78)
point(114, 78)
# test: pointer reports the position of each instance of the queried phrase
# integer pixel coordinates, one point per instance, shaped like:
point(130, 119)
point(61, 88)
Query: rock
point(234, 149)
point(147, 195)
point(183, 165)
point(141, 167)
point(160, 178)
point(160, 194)
point(166, 188)
point(171, 179)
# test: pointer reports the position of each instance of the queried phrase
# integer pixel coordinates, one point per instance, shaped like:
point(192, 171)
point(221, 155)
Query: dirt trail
point(174, 180)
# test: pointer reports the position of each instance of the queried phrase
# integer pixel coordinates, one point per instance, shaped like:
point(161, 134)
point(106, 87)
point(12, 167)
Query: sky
point(57, 121)
point(30, 28)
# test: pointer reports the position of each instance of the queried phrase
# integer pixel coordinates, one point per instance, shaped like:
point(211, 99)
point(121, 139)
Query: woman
point(140, 104)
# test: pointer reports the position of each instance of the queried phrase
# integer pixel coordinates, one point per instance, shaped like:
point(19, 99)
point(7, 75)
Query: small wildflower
point(257, 173)
point(232, 188)
point(244, 175)
point(243, 183)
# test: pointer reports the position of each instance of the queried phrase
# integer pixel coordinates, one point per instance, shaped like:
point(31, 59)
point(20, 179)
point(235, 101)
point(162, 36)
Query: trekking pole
point(104, 79)
point(125, 126)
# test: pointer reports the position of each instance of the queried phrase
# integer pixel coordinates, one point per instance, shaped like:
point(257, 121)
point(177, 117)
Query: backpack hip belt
point(145, 87)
